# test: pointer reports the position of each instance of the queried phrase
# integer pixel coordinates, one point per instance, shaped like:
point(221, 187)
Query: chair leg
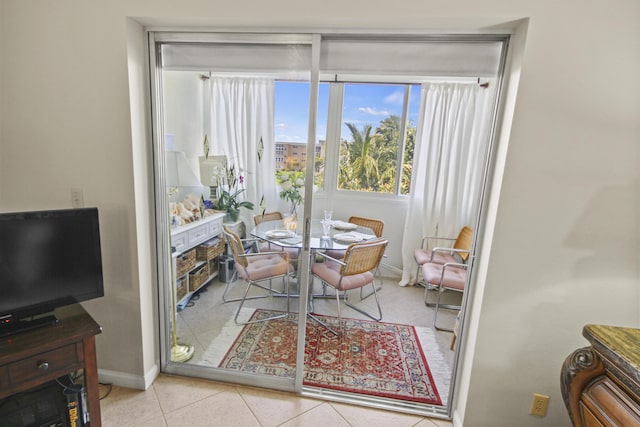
point(419, 281)
point(436, 288)
point(269, 289)
point(244, 298)
point(377, 274)
point(437, 306)
point(375, 293)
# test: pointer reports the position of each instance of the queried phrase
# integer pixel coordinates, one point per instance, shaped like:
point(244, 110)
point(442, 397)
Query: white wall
point(564, 249)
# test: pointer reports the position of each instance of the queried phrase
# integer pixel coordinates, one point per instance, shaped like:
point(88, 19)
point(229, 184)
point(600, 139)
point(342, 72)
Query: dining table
point(339, 236)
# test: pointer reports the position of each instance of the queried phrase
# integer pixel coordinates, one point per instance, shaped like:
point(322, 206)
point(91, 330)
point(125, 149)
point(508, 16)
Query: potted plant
point(292, 188)
point(228, 200)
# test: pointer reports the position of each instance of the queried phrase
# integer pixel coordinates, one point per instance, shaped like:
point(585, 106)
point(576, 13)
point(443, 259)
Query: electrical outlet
point(77, 198)
point(539, 405)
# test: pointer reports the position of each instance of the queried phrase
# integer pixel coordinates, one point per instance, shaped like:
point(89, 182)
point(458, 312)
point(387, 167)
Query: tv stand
point(32, 358)
point(23, 325)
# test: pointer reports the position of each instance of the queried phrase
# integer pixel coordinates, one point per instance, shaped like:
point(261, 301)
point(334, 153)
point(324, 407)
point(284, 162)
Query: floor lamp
point(179, 352)
point(179, 174)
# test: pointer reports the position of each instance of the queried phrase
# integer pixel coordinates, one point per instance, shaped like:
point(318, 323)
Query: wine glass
point(327, 215)
point(326, 228)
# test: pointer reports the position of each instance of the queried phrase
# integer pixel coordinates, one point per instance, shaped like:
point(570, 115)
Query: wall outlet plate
point(539, 405)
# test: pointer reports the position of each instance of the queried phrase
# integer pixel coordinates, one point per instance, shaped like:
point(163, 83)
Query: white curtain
point(448, 165)
point(242, 128)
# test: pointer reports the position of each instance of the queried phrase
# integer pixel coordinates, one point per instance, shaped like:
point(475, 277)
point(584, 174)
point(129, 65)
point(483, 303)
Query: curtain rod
point(484, 85)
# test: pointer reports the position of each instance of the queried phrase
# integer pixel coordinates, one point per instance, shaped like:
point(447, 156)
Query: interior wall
point(564, 249)
point(3, 110)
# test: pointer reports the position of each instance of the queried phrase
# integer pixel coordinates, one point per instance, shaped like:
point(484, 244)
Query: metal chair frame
point(439, 288)
point(377, 226)
point(243, 259)
point(359, 258)
point(460, 245)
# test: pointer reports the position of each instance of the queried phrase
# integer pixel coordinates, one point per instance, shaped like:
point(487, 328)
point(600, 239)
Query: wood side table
point(32, 358)
point(601, 383)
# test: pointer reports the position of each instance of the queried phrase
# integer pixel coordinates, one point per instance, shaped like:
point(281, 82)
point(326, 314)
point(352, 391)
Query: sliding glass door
point(214, 144)
point(247, 125)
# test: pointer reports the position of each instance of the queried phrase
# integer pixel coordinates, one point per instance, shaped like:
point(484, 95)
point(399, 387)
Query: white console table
point(184, 240)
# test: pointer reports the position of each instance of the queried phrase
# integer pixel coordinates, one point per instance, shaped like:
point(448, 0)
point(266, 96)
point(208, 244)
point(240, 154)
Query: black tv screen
point(48, 259)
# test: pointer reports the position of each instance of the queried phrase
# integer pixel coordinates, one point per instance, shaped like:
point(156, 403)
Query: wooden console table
point(601, 384)
point(32, 358)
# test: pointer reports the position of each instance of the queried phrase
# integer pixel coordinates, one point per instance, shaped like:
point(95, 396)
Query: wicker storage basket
point(213, 266)
point(198, 276)
point(185, 262)
point(181, 288)
point(210, 249)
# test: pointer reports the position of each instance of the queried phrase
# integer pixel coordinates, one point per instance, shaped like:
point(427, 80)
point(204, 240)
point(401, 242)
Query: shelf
point(186, 242)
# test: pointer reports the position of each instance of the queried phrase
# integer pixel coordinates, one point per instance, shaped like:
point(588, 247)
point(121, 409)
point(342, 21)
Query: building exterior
point(293, 155)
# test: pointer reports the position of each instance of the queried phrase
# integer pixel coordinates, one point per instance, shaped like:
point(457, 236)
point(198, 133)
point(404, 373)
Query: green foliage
point(228, 200)
point(368, 161)
point(229, 203)
point(292, 184)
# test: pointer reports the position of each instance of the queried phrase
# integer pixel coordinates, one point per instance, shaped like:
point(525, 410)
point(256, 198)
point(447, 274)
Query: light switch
point(77, 199)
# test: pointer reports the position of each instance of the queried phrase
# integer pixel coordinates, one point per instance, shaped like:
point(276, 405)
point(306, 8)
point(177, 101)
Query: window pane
point(371, 137)
point(291, 127)
point(410, 136)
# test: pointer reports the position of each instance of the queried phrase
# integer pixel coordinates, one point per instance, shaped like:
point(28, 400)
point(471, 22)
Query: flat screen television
point(48, 259)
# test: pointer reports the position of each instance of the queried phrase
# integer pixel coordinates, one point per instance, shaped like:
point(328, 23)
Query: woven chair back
point(362, 257)
point(464, 242)
point(375, 224)
point(234, 242)
point(267, 216)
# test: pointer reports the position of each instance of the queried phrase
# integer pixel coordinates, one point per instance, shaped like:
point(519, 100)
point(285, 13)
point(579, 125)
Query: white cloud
point(396, 98)
point(281, 125)
point(373, 111)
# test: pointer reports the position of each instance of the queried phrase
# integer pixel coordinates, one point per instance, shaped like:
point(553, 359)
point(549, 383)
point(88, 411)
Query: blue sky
point(363, 104)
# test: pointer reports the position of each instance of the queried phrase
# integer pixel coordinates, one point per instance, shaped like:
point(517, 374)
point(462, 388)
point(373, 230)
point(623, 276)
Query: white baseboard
point(390, 271)
point(123, 379)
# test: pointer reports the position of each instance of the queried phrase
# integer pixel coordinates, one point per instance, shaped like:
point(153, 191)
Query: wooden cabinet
point(195, 247)
point(601, 383)
point(32, 358)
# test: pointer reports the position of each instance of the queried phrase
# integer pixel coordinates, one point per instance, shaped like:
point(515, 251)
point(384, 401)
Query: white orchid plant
point(292, 187)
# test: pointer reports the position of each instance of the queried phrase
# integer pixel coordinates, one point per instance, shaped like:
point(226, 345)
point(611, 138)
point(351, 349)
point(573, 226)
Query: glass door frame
point(162, 225)
point(163, 244)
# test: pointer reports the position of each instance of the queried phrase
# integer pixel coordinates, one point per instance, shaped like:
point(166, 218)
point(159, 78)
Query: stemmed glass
point(326, 224)
point(326, 228)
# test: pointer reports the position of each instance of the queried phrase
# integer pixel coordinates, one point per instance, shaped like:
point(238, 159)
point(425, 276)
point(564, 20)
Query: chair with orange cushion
point(432, 249)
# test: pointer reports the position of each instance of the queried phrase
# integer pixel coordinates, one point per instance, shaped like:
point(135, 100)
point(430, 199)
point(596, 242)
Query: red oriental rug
point(373, 358)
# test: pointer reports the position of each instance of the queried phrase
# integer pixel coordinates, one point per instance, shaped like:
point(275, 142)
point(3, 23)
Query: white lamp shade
point(179, 172)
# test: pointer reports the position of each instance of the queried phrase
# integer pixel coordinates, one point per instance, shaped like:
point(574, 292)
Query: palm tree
point(365, 166)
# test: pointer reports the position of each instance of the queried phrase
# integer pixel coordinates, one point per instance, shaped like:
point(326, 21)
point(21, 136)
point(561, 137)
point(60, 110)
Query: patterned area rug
point(374, 358)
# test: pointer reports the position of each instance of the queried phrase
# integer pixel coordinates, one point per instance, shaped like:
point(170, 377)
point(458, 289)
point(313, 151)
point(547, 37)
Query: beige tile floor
point(182, 401)
point(174, 401)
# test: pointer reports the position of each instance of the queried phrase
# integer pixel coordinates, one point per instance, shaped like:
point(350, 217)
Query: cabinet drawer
point(215, 227)
point(179, 242)
point(54, 362)
point(198, 235)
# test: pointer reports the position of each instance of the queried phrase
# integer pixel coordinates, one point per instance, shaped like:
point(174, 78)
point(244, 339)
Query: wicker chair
point(355, 270)
point(267, 216)
point(254, 268)
point(455, 253)
point(377, 226)
point(451, 276)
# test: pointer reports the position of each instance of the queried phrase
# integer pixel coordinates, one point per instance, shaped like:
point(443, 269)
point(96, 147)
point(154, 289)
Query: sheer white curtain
point(448, 164)
point(242, 128)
